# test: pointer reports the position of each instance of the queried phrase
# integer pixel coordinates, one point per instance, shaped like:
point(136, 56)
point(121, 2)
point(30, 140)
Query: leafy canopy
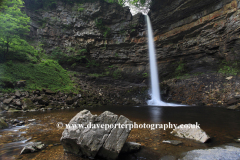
point(14, 26)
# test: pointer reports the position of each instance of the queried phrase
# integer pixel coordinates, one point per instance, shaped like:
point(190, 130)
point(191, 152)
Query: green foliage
point(81, 51)
point(145, 75)
point(63, 58)
point(117, 74)
point(231, 68)
point(47, 74)
point(183, 76)
point(180, 67)
point(14, 26)
point(104, 29)
point(116, 55)
point(44, 21)
point(96, 75)
point(80, 9)
point(112, 66)
point(180, 70)
point(66, 26)
point(123, 32)
point(92, 63)
point(73, 65)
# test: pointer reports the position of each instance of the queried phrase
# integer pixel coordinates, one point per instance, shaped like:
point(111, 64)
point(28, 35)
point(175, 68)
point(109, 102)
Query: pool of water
point(220, 124)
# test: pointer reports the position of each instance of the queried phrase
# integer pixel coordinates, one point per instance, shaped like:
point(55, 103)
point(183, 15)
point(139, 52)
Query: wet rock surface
point(32, 147)
point(224, 153)
point(3, 124)
point(192, 133)
point(130, 147)
point(96, 141)
point(173, 142)
point(116, 139)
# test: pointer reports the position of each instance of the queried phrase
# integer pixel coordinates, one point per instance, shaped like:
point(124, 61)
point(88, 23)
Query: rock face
point(197, 33)
point(192, 133)
point(191, 37)
point(93, 139)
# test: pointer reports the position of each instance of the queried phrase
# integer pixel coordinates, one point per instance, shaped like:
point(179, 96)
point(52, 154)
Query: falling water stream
point(155, 89)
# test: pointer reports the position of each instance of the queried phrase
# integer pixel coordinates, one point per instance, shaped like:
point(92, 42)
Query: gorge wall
point(192, 37)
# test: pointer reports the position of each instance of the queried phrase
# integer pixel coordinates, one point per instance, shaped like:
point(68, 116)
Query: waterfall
point(155, 89)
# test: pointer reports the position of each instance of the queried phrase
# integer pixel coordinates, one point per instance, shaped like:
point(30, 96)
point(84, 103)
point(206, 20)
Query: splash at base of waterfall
point(154, 101)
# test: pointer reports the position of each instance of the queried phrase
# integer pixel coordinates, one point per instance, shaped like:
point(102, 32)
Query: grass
point(46, 74)
point(96, 75)
point(231, 68)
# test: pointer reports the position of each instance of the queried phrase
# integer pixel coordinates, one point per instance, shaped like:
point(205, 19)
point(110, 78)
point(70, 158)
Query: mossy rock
point(3, 124)
point(27, 104)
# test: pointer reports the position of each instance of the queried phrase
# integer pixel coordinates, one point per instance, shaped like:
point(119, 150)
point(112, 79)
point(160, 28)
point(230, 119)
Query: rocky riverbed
point(41, 127)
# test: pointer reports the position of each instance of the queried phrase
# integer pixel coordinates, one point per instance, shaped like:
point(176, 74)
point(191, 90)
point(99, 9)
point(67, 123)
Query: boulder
point(173, 142)
point(27, 104)
point(69, 100)
point(8, 84)
point(21, 83)
point(48, 91)
point(232, 101)
point(115, 140)
point(92, 137)
point(191, 133)
point(8, 101)
point(3, 124)
point(18, 102)
point(17, 94)
point(233, 107)
point(32, 147)
point(129, 147)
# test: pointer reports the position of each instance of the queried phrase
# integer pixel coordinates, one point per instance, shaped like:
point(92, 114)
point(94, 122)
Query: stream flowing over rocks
point(105, 142)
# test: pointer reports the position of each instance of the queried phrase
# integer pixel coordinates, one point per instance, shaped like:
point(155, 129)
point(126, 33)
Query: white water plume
point(155, 89)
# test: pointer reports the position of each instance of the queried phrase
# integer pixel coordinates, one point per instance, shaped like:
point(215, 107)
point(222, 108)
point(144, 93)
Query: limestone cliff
point(74, 27)
point(199, 33)
point(191, 36)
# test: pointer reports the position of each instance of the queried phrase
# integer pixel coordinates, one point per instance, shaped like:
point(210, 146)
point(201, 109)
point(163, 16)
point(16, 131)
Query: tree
point(14, 25)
